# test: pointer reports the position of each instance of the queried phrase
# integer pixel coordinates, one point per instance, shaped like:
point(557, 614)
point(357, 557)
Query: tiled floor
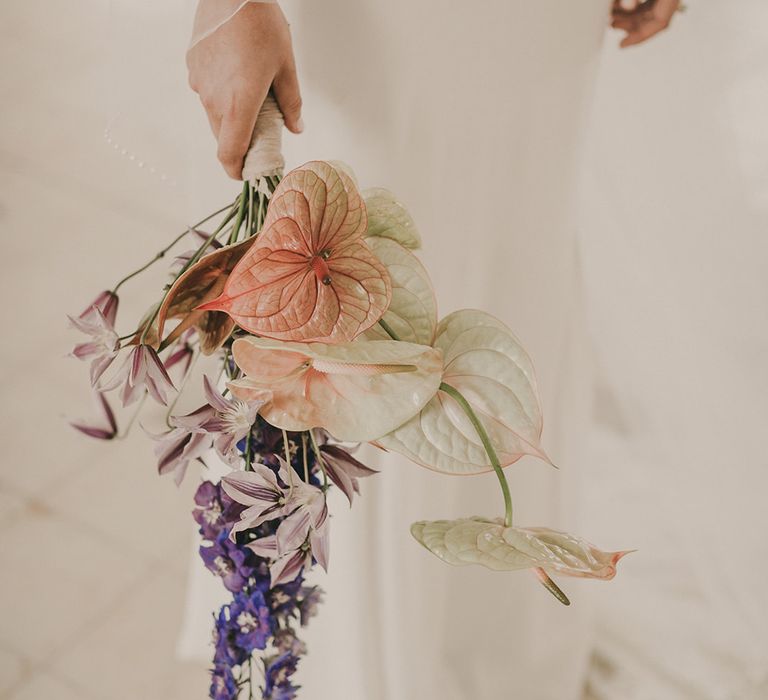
point(94, 545)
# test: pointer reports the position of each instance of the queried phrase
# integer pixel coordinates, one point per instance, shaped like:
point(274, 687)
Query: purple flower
point(278, 672)
point(97, 321)
point(223, 684)
point(228, 560)
point(108, 428)
point(230, 421)
point(343, 469)
point(185, 442)
point(227, 652)
point(285, 640)
point(216, 510)
point(308, 606)
point(250, 619)
point(142, 371)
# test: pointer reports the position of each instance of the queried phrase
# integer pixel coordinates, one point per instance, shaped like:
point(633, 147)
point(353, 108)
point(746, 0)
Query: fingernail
point(300, 125)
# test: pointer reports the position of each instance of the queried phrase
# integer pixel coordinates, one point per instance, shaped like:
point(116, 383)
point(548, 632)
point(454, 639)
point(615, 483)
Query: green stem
point(248, 460)
point(489, 449)
point(319, 459)
point(304, 456)
point(240, 212)
point(166, 249)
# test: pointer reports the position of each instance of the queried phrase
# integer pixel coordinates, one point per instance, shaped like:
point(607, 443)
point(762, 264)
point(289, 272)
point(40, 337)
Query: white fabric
point(676, 264)
point(473, 117)
point(212, 14)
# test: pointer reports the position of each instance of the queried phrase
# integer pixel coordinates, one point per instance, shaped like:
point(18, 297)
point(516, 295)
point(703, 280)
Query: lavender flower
point(97, 321)
point(251, 621)
point(343, 469)
point(230, 422)
point(184, 443)
point(108, 429)
point(216, 511)
point(223, 684)
point(142, 371)
point(278, 672)
point(226, 559)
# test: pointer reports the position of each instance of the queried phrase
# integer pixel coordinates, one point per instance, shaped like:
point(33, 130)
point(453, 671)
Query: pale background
point(95, 547)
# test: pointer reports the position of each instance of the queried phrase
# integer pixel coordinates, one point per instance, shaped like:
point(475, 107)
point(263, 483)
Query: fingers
point(288, 96)
point(646, 19)
point(236, 131)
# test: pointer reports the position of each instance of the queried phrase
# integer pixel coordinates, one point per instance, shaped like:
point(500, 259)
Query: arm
point(233, 67)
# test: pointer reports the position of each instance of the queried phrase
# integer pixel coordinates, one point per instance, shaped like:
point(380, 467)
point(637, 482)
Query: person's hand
point(232, 71)
point(642, 19)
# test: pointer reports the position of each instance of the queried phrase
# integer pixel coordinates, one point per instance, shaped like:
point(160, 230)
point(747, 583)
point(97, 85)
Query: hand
point(232, 71)
point(642, 19)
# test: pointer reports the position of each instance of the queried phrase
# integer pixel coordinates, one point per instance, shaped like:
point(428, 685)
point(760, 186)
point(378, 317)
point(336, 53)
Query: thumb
point(288, 96)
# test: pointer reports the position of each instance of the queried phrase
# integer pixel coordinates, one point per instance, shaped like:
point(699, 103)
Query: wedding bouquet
point(325, 325)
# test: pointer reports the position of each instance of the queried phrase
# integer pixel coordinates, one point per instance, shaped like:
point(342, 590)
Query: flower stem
point(489, 449)
point(166, 249)
point(240, 212)
point(319, 458)
point(304, 456)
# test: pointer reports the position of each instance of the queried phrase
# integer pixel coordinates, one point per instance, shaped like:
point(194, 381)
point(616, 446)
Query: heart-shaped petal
point(388, 218)
point(356, 391)
point(489, 367)
point(488, 543)
point(203, 282)
point(309, 276)
point(412, 313)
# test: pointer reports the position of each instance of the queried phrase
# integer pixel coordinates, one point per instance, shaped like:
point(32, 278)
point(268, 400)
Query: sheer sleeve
point(212, 14)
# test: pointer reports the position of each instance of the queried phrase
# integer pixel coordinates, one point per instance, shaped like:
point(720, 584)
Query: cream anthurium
point(412, 313)
point(388, 218)
point(485, 365)
point(357, 391)
point(487, 542)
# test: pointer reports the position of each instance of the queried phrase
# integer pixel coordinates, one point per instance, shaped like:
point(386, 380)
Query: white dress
point(473, 115)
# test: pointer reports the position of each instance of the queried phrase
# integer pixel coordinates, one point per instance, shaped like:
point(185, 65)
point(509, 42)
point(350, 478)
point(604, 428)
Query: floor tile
point(141, 634)
point(57, 579)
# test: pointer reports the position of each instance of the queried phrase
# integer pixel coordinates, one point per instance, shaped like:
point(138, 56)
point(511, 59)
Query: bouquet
point(325, 326)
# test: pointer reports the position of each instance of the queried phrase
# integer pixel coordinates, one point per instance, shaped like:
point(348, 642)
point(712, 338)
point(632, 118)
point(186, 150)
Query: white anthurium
point(412, 313)
point(388, 218)
point(357, 391)
point(485, 363)
point(487, 542)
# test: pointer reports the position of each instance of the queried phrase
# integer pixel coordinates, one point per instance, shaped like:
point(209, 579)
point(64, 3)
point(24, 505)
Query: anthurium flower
point(201, 283)
point(488, 543)
point(357, 391)
point(388, 218)
point(309, 276)
point(103, 345)
point(486, 363)
point(412, 313)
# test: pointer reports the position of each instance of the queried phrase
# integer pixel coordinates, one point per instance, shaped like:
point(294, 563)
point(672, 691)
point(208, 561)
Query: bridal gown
point(472, 113)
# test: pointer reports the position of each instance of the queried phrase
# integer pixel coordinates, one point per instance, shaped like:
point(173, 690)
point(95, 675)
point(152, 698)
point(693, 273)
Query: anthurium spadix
point(309, 276)
point(486, 364)
point(487, 542)
point(357, 391)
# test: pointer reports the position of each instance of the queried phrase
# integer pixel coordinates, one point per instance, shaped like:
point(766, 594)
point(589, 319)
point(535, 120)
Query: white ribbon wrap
point(265, 156)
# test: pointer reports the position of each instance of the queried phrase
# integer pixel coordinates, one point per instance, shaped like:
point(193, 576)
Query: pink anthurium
point(309, 276)
point(357, 391)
